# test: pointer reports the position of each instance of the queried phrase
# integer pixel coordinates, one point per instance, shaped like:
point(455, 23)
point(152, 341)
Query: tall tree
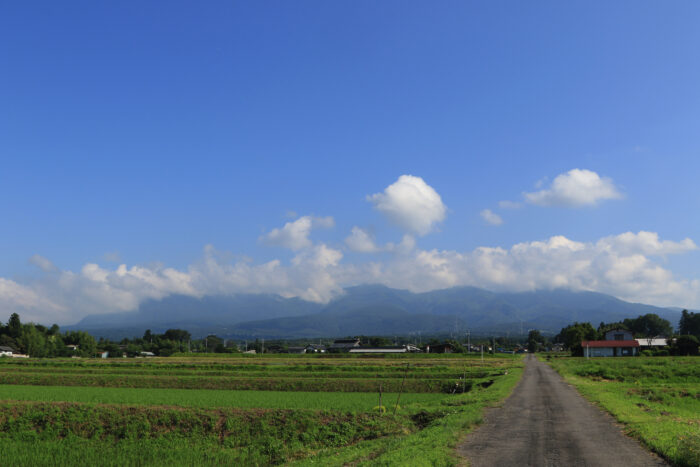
point(649, 325)
point(690, 324)
point(14, 326)
point(572, 335)
point(534, 338)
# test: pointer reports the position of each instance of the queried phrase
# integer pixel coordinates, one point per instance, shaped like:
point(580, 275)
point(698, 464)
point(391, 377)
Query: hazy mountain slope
point(373, 309)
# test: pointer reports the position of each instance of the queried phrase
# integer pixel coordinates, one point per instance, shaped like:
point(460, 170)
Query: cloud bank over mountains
point(627, 265)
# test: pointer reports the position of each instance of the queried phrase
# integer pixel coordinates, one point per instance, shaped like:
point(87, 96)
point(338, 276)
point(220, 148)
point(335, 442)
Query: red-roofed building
point(617, 343)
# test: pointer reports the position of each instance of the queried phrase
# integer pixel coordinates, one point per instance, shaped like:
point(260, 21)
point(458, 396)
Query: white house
point(617, 343)
point(6, 351)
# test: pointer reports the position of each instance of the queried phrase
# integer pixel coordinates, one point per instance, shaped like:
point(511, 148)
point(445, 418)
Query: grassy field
point(185, 410)
point(656, 398)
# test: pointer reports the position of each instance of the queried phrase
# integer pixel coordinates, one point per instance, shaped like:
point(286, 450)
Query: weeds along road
point(545, 422)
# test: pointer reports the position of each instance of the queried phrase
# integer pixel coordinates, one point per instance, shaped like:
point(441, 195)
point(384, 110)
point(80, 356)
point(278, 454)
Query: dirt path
point(545, 422)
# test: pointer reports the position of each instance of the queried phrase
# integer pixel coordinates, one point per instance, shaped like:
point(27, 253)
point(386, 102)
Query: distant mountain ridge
point(371, 310)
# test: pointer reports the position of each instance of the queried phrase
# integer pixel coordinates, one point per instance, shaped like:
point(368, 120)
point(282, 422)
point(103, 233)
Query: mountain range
point(371, 310)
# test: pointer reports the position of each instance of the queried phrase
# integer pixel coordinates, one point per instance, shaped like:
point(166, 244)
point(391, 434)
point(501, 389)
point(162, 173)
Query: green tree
point(689, 324)
point(572, 335)
point(534, 339)
point(649, 325)
point(14, 326)
point(32, 341)
point(87, 347)
point(685, 345)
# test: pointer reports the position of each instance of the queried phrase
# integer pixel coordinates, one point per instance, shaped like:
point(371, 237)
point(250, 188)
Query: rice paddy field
point(656, 398)
point(246, 410)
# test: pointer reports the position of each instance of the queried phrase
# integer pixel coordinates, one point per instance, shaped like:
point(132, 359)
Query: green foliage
point(689, 324)
point(534, 338)
point(649, 325)
point(685, 345)
point(572, 335)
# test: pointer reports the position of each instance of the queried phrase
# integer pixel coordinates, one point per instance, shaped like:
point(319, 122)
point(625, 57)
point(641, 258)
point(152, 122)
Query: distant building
point(343, 345)
point(6, 351)
point(617, 343)
point(296, 350)
point(439, 348)
point(412, 348)
point(315, 348)
point(375, 350)
point(653, 342)
point(147, 354)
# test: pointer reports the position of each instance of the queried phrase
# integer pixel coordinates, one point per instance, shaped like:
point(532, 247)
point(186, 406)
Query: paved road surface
point(545, 422)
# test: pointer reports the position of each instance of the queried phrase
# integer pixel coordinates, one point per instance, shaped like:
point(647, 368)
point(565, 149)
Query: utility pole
point(469, 342)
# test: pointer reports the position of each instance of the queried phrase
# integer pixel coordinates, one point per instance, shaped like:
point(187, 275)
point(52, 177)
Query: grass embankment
point(99, 424)
point(656, 398)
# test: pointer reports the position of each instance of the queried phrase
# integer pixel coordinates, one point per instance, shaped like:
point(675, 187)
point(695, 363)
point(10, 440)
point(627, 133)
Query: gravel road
point(545, 422)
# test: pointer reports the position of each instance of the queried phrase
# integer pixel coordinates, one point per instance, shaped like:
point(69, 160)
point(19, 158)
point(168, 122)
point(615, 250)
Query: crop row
point(267, 384)
point(269, 372)
point(356, 401)
point(302, 364)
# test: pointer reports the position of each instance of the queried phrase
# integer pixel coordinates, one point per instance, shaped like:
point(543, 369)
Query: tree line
point(40, 341)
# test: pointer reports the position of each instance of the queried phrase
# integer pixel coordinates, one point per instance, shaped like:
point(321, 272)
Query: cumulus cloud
point(411, 204)
point(577, 187)
point(295, 235)
point(491, 217)
point(43, 263)
point(646, 243)
point(361, 241)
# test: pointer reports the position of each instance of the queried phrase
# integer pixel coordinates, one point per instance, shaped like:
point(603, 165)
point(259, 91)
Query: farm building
point(439, 348)
point(392, 349)
point(343, 345)
point(315, 348)
point(617, 343)
point(6, 351)
point(652, 342)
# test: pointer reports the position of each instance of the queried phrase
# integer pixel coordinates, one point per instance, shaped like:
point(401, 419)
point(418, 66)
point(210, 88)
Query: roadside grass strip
point(660, 408)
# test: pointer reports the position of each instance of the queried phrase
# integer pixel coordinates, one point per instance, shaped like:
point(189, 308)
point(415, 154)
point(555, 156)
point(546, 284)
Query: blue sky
point(174, 137)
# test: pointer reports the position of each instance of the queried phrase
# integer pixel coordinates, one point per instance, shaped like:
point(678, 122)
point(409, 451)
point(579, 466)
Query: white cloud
point(646, 243)
point(577, 187)
point(27, 301)
point(361, 241)
point(491, 217)
point(295, 235)
point(411, 204)
point(43, 263)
